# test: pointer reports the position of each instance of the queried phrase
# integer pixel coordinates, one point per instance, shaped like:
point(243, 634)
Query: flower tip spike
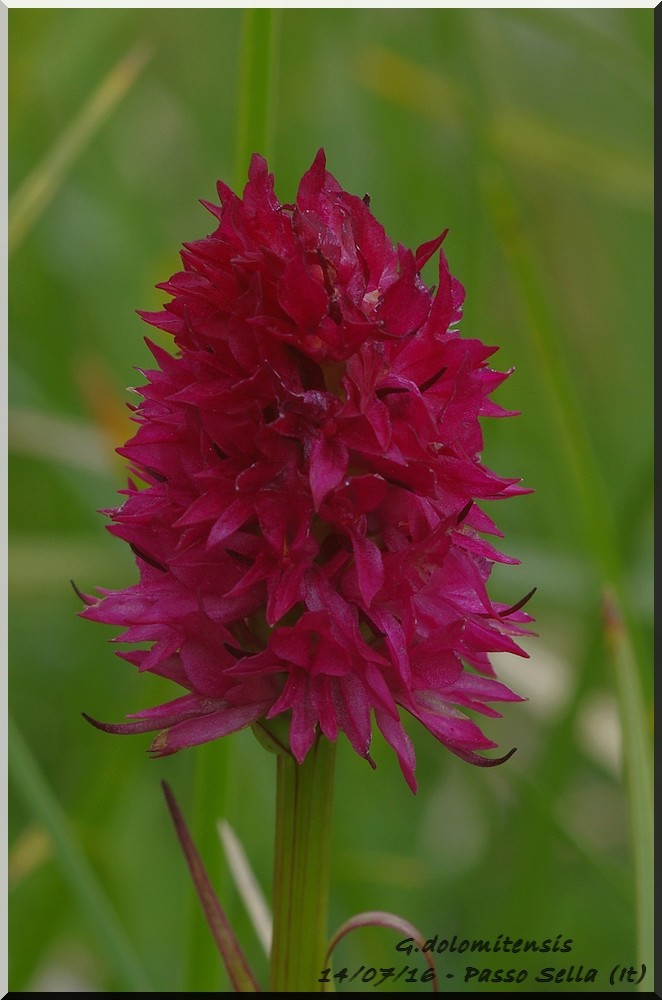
point(497, 761)
point(519, 605)
point(103, 726)
point(85, 598)
point(122, 728)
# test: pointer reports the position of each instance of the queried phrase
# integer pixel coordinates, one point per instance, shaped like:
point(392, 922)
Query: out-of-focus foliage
point(529, 134)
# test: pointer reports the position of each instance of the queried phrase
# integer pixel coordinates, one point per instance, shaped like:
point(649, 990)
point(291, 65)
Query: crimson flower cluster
point(308, 537)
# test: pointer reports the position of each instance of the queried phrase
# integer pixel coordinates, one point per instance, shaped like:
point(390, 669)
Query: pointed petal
point(328, 465)
point(369, 567)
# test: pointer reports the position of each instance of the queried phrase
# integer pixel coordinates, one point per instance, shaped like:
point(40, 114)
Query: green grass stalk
point(30, 783)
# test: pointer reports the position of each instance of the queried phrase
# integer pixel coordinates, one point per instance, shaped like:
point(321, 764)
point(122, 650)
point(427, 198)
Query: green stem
point(257, 87)
point(302, 869)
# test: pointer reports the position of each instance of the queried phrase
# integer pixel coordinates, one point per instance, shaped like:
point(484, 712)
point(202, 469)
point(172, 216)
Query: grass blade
point(247, 885)
point(238, 969)
point(39, 187)
point(33, 788)
point(638, 772)
point(596, 515)
point(378, 918)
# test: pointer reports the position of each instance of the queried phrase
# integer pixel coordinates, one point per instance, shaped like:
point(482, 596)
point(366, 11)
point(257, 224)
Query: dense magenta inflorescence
point(309, 538)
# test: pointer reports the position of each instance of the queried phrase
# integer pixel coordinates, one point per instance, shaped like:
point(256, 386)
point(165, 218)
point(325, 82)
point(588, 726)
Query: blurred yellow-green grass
point(529, 134)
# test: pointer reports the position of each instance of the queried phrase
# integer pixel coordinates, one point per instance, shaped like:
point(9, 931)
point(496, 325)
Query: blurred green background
point(529, 134)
